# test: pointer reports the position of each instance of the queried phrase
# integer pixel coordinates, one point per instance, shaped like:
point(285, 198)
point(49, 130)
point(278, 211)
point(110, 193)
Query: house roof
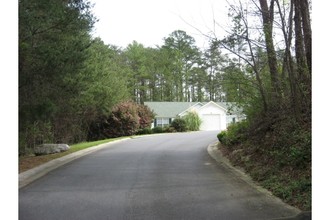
point(169, 109)
point(193, 107)
point(173, 109)
point(218, 104)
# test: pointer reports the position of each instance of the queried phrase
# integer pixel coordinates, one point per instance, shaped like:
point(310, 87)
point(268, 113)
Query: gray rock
point(45, 149)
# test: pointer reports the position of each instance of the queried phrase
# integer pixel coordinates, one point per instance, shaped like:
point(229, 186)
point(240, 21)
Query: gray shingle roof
point(172, 109)
point(169, 109)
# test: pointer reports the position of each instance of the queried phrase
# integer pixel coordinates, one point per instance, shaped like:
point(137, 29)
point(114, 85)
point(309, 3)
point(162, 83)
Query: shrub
point(123, 120)
point(168, 129)
point(179, 125)
point(292, 143)
point(193, 121)
point(222, 137)
point(145, 131)
point(157, 130)
point(235, 133)
point(126, 118)
point(146, 116)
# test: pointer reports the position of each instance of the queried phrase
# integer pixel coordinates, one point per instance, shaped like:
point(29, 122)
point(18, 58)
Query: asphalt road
point(156, 177)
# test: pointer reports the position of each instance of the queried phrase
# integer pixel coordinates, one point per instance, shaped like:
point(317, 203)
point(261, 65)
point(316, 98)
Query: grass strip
point(31, 161)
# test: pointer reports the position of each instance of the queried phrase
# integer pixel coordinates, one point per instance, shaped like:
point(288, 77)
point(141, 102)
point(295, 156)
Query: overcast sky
point(149, 21)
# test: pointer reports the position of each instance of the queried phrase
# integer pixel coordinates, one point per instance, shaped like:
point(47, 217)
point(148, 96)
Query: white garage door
point(210, 122)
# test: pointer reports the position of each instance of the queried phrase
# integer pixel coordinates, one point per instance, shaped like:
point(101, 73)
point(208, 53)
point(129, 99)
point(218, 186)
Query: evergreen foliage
point(53, 38)
point(179, 124)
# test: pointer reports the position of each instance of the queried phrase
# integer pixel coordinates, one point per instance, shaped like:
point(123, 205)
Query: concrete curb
point(33, 174)
point(216, 154)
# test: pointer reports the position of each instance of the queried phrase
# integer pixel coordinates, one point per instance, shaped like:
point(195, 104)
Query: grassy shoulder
point(278, 160)
point(31, 161)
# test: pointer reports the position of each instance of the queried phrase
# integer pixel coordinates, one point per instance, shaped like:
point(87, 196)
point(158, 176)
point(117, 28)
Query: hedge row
point(126, 119)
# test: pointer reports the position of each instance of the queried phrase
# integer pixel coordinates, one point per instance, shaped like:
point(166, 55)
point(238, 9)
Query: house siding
point(216, 115)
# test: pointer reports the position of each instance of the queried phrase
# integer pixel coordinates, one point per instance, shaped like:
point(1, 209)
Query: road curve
point(167, 176)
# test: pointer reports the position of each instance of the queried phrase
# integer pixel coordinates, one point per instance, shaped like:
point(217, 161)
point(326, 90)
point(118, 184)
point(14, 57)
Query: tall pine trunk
point(267, 18)
point(303, 53)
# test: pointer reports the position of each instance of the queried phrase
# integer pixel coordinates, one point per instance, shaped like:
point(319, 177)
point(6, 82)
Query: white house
point(215, 116)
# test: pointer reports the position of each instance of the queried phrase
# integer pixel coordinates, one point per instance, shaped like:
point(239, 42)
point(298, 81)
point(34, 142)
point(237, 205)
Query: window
point(162, 122)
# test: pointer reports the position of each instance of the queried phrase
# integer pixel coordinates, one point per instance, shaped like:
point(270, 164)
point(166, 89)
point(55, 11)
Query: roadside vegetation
point(30, 161)
point(274, 143)
point(131, 119)
point(278, 160)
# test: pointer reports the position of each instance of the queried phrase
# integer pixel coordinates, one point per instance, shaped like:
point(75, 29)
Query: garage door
point(210, 122)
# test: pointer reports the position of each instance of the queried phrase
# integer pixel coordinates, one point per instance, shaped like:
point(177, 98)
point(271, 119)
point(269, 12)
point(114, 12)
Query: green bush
point(157, 130)
point(193, 121)
point(179, 125)
point(235, 133)
point(294, 148)
point(168, 129)
point(222, 137)
point(145, 131)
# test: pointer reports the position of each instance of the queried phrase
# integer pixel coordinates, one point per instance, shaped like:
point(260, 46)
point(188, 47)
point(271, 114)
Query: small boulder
point(45, 149)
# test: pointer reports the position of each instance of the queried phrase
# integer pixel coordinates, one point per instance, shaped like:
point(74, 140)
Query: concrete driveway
point(167, 176)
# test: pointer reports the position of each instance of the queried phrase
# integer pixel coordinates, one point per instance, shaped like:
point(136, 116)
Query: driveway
point(168, 176)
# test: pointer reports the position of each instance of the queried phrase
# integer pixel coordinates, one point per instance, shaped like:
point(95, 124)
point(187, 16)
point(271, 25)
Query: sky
point(150, 21)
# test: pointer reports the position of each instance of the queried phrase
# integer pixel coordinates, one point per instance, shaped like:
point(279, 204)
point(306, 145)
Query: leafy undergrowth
point(31, 161)
point(277, 158)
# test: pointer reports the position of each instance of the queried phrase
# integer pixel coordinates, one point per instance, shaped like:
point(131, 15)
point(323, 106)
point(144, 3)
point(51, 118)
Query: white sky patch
point(150, 21)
